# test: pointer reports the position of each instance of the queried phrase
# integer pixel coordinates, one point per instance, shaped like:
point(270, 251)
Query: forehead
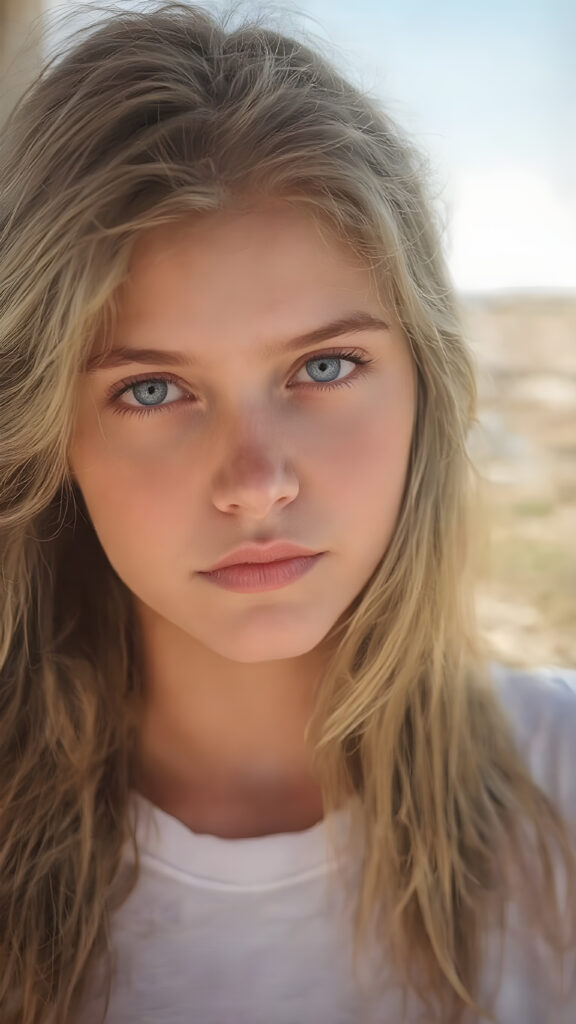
point(267, 251)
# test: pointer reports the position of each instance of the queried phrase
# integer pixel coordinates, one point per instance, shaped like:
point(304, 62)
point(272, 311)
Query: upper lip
point(271, 552)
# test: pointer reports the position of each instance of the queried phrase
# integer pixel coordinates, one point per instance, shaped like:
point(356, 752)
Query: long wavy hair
point(140, 119)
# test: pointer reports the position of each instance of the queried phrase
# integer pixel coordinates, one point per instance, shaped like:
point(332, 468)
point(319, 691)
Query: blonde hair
point(149, 117)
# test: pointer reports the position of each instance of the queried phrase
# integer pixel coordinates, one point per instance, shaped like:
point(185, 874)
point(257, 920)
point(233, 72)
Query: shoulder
point(540, 705)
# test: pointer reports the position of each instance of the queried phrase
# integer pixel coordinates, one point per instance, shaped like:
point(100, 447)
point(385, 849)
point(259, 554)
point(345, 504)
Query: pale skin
point(261, 451)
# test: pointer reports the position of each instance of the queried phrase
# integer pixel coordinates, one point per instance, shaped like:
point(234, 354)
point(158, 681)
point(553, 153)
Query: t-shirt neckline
point(270, 860)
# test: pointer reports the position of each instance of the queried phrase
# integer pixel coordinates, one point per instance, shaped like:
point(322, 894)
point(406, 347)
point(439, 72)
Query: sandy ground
point(525, 447)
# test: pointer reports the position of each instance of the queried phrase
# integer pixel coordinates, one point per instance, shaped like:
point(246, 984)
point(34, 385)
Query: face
point(247, 441)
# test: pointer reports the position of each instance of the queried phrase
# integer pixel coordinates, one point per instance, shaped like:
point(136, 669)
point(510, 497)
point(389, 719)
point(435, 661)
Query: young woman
point(293, 787)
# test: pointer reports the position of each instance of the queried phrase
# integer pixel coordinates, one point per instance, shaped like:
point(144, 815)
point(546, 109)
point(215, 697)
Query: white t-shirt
point(242, 931)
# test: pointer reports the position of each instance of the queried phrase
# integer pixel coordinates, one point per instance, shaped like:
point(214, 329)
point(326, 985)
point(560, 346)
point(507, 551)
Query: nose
point(255, 475)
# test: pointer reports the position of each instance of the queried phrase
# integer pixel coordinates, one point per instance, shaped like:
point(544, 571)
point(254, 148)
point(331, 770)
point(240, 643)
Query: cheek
point(131, 508)
point(364, 457)
point(138, 533)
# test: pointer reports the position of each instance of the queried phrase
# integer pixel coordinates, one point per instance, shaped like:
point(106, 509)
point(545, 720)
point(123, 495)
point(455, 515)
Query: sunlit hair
point(144, 118)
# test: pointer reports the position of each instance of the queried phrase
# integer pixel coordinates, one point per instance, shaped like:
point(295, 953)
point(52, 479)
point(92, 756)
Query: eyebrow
point(352, 323)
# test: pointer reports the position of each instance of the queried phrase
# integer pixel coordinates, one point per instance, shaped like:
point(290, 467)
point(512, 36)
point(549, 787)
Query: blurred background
point(488, 92)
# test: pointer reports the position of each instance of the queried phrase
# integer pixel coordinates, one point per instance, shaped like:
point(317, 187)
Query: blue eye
point(151, 390)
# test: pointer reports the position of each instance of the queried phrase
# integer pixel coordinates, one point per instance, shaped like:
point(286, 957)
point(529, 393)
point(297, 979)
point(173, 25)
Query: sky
point(488, 92)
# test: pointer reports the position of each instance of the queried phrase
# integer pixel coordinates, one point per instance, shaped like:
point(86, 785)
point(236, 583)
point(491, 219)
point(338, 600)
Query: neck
point(222, 744)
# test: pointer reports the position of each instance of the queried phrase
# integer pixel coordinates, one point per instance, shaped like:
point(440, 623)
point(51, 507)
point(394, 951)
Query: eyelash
point(118, 390)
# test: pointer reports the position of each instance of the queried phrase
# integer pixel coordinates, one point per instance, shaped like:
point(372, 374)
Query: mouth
point(251, 577)
point(259, 554)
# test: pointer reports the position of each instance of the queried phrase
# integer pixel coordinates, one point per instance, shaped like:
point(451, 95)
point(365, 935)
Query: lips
point(250, 578)
point(257, 554)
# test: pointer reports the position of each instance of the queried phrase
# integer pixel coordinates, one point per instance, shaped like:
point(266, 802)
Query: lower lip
point(250, 578)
